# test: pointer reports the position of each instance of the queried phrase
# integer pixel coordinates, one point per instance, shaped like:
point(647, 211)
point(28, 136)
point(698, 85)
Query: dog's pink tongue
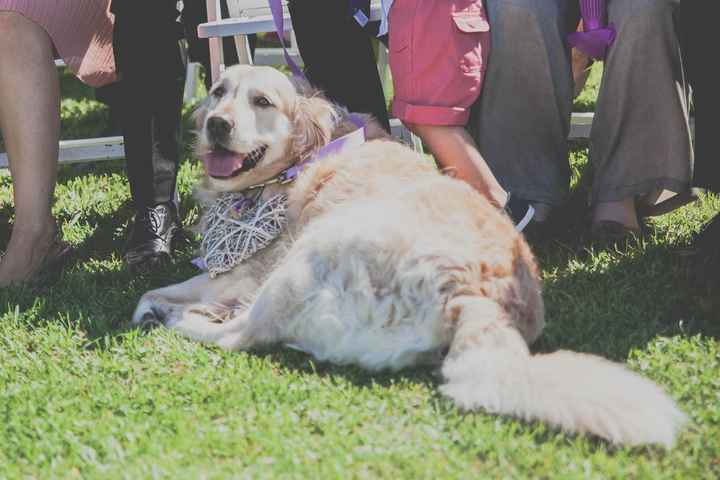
point(223, 163)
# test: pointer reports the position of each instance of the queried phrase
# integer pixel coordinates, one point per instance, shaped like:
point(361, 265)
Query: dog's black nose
point(219, 128)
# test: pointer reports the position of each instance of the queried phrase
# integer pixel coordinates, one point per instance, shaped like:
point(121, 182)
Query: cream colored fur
point(386, 264)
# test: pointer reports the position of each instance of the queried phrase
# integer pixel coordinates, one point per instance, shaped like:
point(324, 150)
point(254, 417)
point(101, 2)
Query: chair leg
point(216, 51)
point(242, 45)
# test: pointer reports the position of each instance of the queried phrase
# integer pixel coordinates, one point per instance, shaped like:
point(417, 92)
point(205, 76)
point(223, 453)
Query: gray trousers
point(640, 139)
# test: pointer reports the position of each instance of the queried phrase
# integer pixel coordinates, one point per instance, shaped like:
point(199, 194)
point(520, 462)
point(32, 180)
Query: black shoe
point(520, 211)
point(152, 235)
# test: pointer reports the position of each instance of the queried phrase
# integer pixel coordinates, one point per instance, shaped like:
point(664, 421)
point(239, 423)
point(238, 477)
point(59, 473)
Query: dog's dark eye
point(219, 92)
point(262, 102)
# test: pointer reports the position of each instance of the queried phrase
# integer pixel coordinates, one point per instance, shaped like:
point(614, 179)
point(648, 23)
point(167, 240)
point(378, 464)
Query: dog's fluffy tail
point(490, 367)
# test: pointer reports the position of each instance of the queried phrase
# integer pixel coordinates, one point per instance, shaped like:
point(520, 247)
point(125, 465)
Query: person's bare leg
point(30, 124)
point(455, 151)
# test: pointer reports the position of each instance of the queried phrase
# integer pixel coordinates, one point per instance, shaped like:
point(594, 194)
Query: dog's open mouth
point(223, 163)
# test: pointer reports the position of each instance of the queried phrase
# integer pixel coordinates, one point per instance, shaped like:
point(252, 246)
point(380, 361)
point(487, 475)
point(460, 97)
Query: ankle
point(622, 211)
point(28, 247)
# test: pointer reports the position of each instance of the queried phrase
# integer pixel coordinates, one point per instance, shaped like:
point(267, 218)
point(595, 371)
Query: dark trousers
point(700, 57)
point(338, 56)
point(149, 95)
point(147, 100)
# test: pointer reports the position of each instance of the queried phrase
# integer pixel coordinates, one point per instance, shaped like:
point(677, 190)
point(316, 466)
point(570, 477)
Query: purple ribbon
point(356, 137)
point(199, 263)
point(279, 19)
point(596, 36)
point(240, 205)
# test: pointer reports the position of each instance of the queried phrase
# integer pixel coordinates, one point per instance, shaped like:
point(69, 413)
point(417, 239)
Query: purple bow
point(596, 36)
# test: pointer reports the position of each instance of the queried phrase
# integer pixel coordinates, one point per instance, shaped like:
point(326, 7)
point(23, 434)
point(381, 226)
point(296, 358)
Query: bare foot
point(27, 249)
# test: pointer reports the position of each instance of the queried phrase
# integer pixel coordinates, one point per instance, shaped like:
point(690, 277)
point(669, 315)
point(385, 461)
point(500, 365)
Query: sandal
point(666, 206)
point(57, 255)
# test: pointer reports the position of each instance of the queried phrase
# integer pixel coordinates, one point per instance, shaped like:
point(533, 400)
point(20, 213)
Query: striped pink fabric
point(81, 31)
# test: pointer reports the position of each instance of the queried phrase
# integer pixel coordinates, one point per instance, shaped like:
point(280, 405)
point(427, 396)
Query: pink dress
point(81, 31)
point(438, 56)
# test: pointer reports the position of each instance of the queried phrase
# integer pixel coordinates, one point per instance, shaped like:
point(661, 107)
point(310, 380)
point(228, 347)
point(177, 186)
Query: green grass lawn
point(82, 396)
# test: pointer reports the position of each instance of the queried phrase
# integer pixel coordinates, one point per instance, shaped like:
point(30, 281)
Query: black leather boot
point(152, 235)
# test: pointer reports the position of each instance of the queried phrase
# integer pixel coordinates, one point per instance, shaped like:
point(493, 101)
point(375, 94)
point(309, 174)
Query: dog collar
point(354, 138)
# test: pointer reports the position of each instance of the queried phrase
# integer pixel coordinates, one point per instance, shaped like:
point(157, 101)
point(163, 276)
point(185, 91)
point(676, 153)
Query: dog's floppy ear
point(314, 120)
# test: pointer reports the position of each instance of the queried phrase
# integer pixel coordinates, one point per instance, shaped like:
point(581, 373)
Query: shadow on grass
point(94, 288)
point(610, 300)
point(607, 304)
point(603, 303)
point(596, 302)
point(615, 301)
point(300, 362)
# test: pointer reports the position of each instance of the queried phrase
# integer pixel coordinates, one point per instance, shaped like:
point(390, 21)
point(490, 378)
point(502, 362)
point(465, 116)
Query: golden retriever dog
point(385, 263)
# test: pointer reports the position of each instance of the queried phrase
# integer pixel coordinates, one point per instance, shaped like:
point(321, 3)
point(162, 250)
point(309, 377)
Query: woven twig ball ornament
point(236, 226)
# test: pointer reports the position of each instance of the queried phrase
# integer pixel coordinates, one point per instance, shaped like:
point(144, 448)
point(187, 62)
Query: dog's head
point(256, 123)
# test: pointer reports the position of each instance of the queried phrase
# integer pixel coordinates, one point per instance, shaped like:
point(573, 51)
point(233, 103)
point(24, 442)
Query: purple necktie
point(597, 35)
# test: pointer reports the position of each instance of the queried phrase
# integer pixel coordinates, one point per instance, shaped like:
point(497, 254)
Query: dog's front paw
point(148, 315)
point(150, 321)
